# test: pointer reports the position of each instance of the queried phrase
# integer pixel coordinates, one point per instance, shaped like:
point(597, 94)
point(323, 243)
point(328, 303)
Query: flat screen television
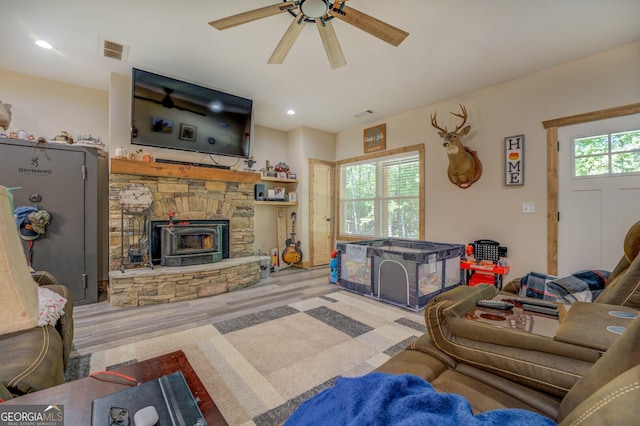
point(175, 114)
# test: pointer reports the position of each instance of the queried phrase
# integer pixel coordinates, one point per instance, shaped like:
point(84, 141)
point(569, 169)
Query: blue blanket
point(388, 399)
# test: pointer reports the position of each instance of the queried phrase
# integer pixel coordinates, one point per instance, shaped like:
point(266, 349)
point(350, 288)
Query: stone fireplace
point(210, 244)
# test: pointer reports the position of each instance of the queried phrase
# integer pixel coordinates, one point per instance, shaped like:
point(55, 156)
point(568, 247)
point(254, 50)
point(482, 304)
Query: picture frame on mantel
point(375, 138)
point(514, 160)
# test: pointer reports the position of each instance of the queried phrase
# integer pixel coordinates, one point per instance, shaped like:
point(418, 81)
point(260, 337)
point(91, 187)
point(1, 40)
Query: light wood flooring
point(101, 326)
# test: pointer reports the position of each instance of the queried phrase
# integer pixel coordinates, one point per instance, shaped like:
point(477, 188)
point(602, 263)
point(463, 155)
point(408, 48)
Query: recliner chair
point(568, 383)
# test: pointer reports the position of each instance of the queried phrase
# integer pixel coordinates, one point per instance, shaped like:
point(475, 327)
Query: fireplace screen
point(191, 244)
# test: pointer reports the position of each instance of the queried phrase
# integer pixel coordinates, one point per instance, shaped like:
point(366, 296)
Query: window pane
point(626, 162)
point(401, 179)
point(592, 145)
point(360, 181)
point(627, 141)
point(592, 166)
point(404, 218)
point(359, 218)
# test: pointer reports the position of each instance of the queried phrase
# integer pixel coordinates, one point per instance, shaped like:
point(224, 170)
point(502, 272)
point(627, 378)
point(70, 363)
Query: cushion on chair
point(65, 323)
point(51, 306)
point(18, 292)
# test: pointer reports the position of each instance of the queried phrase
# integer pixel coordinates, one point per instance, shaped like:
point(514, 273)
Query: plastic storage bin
point(406, 273)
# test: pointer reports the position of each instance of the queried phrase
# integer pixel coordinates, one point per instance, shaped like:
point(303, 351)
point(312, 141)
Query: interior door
point(595, 212)
point(321, 194)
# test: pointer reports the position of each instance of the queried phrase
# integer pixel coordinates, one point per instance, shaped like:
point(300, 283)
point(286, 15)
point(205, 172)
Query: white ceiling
point(454, 46)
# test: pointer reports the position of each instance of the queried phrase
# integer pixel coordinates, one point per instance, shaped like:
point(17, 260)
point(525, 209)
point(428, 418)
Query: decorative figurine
point(281, 167)
point(5, 115)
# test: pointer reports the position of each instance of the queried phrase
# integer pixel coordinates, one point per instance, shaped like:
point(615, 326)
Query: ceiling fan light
point(314, 8)
point(216, 106)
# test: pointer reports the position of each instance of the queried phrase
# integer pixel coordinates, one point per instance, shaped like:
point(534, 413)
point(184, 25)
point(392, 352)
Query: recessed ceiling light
point(44, 44)
point(291, 112)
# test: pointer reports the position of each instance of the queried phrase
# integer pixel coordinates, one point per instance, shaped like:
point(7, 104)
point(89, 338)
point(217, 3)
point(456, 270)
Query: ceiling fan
point(320, 12)
point(168, 102)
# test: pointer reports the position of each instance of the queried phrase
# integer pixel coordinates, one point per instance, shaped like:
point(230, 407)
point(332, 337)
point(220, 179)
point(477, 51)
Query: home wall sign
point(514, 160)
point(375, 138)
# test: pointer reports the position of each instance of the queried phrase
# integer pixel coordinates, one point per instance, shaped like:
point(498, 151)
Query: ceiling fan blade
point(252, 15)
point(286, 42)
point(331, 44)
point(369, 24)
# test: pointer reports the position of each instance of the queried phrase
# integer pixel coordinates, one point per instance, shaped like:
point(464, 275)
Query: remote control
point(494, 304)
point(536, 302)
point(541, 309)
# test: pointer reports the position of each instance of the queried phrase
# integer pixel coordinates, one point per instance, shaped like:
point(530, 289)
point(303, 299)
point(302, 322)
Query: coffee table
point(76, 396)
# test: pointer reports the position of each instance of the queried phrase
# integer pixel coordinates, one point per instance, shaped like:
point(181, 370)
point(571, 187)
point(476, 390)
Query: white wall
point(488, 209)
point(294, 148)
point(44, 108)
point(270, 145)
point(308, 144)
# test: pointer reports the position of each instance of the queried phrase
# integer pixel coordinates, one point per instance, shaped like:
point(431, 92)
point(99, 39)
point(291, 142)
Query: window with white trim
point(380, 197)
point(608, 154)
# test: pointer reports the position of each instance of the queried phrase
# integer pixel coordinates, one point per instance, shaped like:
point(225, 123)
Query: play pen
point(403, 272)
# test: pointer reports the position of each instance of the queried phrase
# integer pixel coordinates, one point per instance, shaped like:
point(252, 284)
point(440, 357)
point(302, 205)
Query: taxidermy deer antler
point(465, 167)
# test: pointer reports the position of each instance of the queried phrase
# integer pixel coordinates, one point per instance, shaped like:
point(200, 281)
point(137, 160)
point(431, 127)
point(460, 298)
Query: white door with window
point(599, 191)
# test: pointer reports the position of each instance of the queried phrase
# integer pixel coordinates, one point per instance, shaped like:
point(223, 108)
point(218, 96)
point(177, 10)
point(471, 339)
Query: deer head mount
point(465, 167)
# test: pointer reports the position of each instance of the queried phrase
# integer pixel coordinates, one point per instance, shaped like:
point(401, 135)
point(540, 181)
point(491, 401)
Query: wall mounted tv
point(174, 114)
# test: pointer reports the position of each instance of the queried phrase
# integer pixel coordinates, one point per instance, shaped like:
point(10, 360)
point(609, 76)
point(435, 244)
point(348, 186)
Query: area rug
point(259, 367)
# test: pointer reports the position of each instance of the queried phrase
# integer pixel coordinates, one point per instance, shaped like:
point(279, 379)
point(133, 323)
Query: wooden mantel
point(145, 168)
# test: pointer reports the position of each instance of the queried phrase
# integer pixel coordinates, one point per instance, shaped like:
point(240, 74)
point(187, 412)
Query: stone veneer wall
point(190, 199)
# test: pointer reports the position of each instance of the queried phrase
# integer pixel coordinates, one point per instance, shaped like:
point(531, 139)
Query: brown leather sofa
point(587, 381)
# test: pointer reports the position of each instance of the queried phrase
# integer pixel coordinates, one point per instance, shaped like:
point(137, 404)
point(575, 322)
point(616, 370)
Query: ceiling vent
point(363, 114)
point(113, 50)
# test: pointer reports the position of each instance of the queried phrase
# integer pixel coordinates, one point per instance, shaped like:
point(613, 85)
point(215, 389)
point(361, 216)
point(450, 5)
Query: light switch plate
point(528, 207)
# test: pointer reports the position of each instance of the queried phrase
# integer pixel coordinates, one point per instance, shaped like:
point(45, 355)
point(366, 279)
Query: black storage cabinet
point(71, 183)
